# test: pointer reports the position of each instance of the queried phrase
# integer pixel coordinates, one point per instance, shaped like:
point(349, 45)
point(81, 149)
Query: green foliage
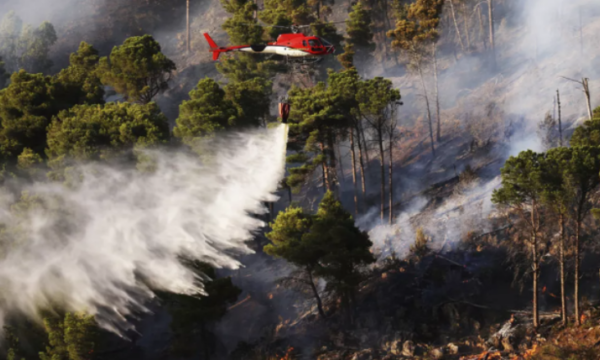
point(252, 99)
point(101, 132)
point(358, 27)
point(191, 313)
point(81, 78)
point(326, 244)
point(212, 108)
point(24, 47)
point(346, 58)
point(285, 13)
point(207, 111)
point(3, 74)
point(522, 180)
point(377, 97)
point(588, 134)
point(242, 28)
point(137, 69)
point(416, 28)
point(26, 108)
point(71, 338)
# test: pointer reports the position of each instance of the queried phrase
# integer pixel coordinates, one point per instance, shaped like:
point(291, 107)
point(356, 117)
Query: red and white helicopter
point(295, 45)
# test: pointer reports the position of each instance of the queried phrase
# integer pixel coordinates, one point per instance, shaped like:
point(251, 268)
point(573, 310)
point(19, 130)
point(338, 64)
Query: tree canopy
point(101, 132)
point(137, 69)
point(81, 78)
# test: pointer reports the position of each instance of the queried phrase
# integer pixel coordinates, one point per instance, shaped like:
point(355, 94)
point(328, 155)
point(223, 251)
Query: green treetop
point(71, 338)
point(3, 74)
point(326, 245)
point(207, 111)
point(589, 133)
point(358, 27)
point(26, 108)
point(137, 69)
point(35, 46)
point(242, 28)
point(81, 77)
point(101, 132)
point(212, 108)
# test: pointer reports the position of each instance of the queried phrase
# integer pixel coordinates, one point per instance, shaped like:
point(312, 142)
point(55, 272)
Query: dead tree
point(559, 118)
point(188, 36)
point(492, 33)
point(462, 45)
point(585, 83)
point(353, 159)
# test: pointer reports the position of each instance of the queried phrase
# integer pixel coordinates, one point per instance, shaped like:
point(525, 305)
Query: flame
point(583, 318)
point(402, 269)
point(288, 354)
point(544, 290)
point(487, 355)
point(529, 353)
point(384, 275)
point(554, 296)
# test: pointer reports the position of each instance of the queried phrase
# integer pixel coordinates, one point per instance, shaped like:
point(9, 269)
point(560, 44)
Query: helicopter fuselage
point(288, 45)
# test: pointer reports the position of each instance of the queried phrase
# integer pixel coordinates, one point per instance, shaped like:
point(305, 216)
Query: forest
point(437, 196)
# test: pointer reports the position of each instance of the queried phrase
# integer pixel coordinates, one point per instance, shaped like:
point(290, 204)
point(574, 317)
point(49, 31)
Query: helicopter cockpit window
point(303, 42)
point(314, 43)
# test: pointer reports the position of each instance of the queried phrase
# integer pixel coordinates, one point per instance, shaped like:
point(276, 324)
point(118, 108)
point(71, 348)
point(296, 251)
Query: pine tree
point(522, 190)
point(360, 36)
point(137, 69)
point(326, 245)
point(81, 78)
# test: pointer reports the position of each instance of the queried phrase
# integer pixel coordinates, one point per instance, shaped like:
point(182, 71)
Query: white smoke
point(103, 246)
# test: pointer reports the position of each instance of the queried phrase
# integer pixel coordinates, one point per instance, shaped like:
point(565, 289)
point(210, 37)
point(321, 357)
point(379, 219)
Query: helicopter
point(290, 45)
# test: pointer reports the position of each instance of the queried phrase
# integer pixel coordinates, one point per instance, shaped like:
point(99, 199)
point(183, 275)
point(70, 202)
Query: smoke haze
point(106, 244)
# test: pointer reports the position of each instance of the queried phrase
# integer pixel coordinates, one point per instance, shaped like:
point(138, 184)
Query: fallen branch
point(239, 303)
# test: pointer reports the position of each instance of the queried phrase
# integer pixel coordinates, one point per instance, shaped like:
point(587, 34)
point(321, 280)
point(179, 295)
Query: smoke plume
point(105, 245)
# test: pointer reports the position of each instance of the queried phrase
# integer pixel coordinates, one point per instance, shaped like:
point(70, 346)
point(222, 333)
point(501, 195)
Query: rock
point(437, 353)
point(452, 349)
point(408, 348)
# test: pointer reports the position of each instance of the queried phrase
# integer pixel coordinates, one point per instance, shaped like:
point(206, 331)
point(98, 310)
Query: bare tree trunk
point(428, 110)
point(437, 93)
point(365, 147)
point(559, 118)
point(492, 33)
point(466, 23)
point(390, 177)
point(341, 172)
point(462, 45)
point(382, 167)
point(534, 246)
point(333, 175)
point(563, 295)
point(316, 294)
point(326, 181)
point(353, 159)
point(362, 166)
point(577, 263)
point(188, 37)
point(586, 91)
point(481, 29)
